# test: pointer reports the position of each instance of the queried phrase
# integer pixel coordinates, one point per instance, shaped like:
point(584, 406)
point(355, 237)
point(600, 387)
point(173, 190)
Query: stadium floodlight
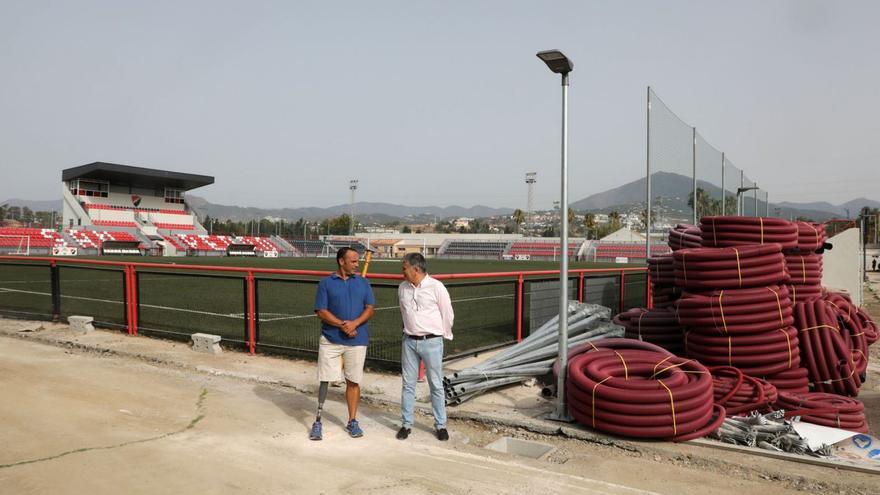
point(558, 63)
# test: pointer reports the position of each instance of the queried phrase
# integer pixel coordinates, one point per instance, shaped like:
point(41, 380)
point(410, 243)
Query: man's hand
point(349, 328)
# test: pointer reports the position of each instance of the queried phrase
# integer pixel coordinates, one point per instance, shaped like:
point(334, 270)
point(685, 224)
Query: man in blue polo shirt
point(344, 302)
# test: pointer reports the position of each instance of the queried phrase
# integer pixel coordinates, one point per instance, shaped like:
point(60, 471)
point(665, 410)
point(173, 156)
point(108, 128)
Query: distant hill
point(364, 210)
point(673, 190)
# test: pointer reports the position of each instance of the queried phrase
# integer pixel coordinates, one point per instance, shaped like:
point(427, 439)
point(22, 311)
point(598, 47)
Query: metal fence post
point(250, 312)
point(580, 286)
point(56, 291)
point(135, 305)
point(519, 307)
point(622, 288)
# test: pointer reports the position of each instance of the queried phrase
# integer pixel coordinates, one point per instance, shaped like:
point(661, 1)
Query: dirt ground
point(106, 413)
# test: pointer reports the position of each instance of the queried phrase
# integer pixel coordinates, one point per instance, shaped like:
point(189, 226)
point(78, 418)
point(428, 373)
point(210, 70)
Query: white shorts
point(332, 358)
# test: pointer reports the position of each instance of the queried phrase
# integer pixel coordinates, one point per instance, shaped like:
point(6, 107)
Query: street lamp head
point(556, 61)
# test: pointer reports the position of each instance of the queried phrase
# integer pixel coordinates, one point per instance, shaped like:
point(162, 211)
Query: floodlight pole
point(352, 185)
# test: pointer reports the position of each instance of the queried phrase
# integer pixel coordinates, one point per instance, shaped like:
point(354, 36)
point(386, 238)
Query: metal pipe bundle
point(533, 356)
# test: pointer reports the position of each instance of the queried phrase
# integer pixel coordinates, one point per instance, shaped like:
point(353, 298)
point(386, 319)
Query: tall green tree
point(518, 218)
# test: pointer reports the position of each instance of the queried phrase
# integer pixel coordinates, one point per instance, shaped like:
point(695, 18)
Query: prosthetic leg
point(315, 433)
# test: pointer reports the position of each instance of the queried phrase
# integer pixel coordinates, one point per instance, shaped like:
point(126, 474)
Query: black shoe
point(403, 433)
point(442, 435)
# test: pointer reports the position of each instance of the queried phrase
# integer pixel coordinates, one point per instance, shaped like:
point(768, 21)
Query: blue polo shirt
point(346, 299)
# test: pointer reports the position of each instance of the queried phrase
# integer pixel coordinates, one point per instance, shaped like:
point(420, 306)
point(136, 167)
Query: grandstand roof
point(137, 176)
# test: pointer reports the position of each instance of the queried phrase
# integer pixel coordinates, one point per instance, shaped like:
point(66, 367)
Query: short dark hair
point(417, 261)
point(341, 253)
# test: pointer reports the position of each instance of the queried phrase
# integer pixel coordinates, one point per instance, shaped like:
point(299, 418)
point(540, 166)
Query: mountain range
point(670, 192)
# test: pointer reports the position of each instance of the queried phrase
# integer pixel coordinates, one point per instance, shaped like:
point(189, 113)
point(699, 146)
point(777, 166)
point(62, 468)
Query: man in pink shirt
point(427, 320)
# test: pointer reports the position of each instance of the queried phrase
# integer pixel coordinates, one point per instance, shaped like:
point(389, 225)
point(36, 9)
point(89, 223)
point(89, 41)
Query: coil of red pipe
point(857, 321)
point(811, 236)
point(642, 394)
point(730, 268)
point(740, 393)
point(684, 236)
point(794, 380)
point(662, 270)
point(825, 409)
point(665, 297)
point(658, 326)
point(805, 272)
point(736, 312)
point(733, 231)
point(804, 269)
point(829, 355)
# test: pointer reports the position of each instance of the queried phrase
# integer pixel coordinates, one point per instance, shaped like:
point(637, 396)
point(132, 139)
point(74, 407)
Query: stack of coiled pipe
point(747, 328)
point(641, 391)
point(746, 321)
point(664, 292)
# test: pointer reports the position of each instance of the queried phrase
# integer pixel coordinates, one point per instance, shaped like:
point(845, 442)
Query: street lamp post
point(560, 64)
point(739, 192)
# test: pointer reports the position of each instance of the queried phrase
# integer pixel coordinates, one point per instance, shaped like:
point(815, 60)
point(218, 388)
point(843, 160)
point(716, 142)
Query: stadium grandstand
point(138, 210)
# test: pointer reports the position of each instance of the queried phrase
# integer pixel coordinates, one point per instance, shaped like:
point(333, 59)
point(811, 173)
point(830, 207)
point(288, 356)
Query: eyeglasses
point(415, 301)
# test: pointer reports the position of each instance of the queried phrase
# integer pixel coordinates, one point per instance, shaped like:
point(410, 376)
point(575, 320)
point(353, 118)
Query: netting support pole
point(56, 291)
point(694, 163)
point(251, 303)
point(520, 284)
point(622, 288)
point(648, 179)
point(723, 191)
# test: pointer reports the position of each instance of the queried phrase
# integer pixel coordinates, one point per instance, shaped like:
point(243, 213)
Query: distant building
point(462, 222)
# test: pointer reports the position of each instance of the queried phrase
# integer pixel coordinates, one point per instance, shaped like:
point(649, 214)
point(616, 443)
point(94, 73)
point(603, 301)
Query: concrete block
point(207, 343)
point(81, 324)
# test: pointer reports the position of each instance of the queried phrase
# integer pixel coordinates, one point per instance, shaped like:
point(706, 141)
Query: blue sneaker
point(315, 434)
point(354, 429)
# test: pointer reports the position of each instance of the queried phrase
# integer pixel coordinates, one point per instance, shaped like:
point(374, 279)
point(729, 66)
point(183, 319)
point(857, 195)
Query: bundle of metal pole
point(534, 355)
point(536, 363)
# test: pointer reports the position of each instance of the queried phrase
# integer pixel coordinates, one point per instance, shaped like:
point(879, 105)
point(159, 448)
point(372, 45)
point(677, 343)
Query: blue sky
point(434, 102)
